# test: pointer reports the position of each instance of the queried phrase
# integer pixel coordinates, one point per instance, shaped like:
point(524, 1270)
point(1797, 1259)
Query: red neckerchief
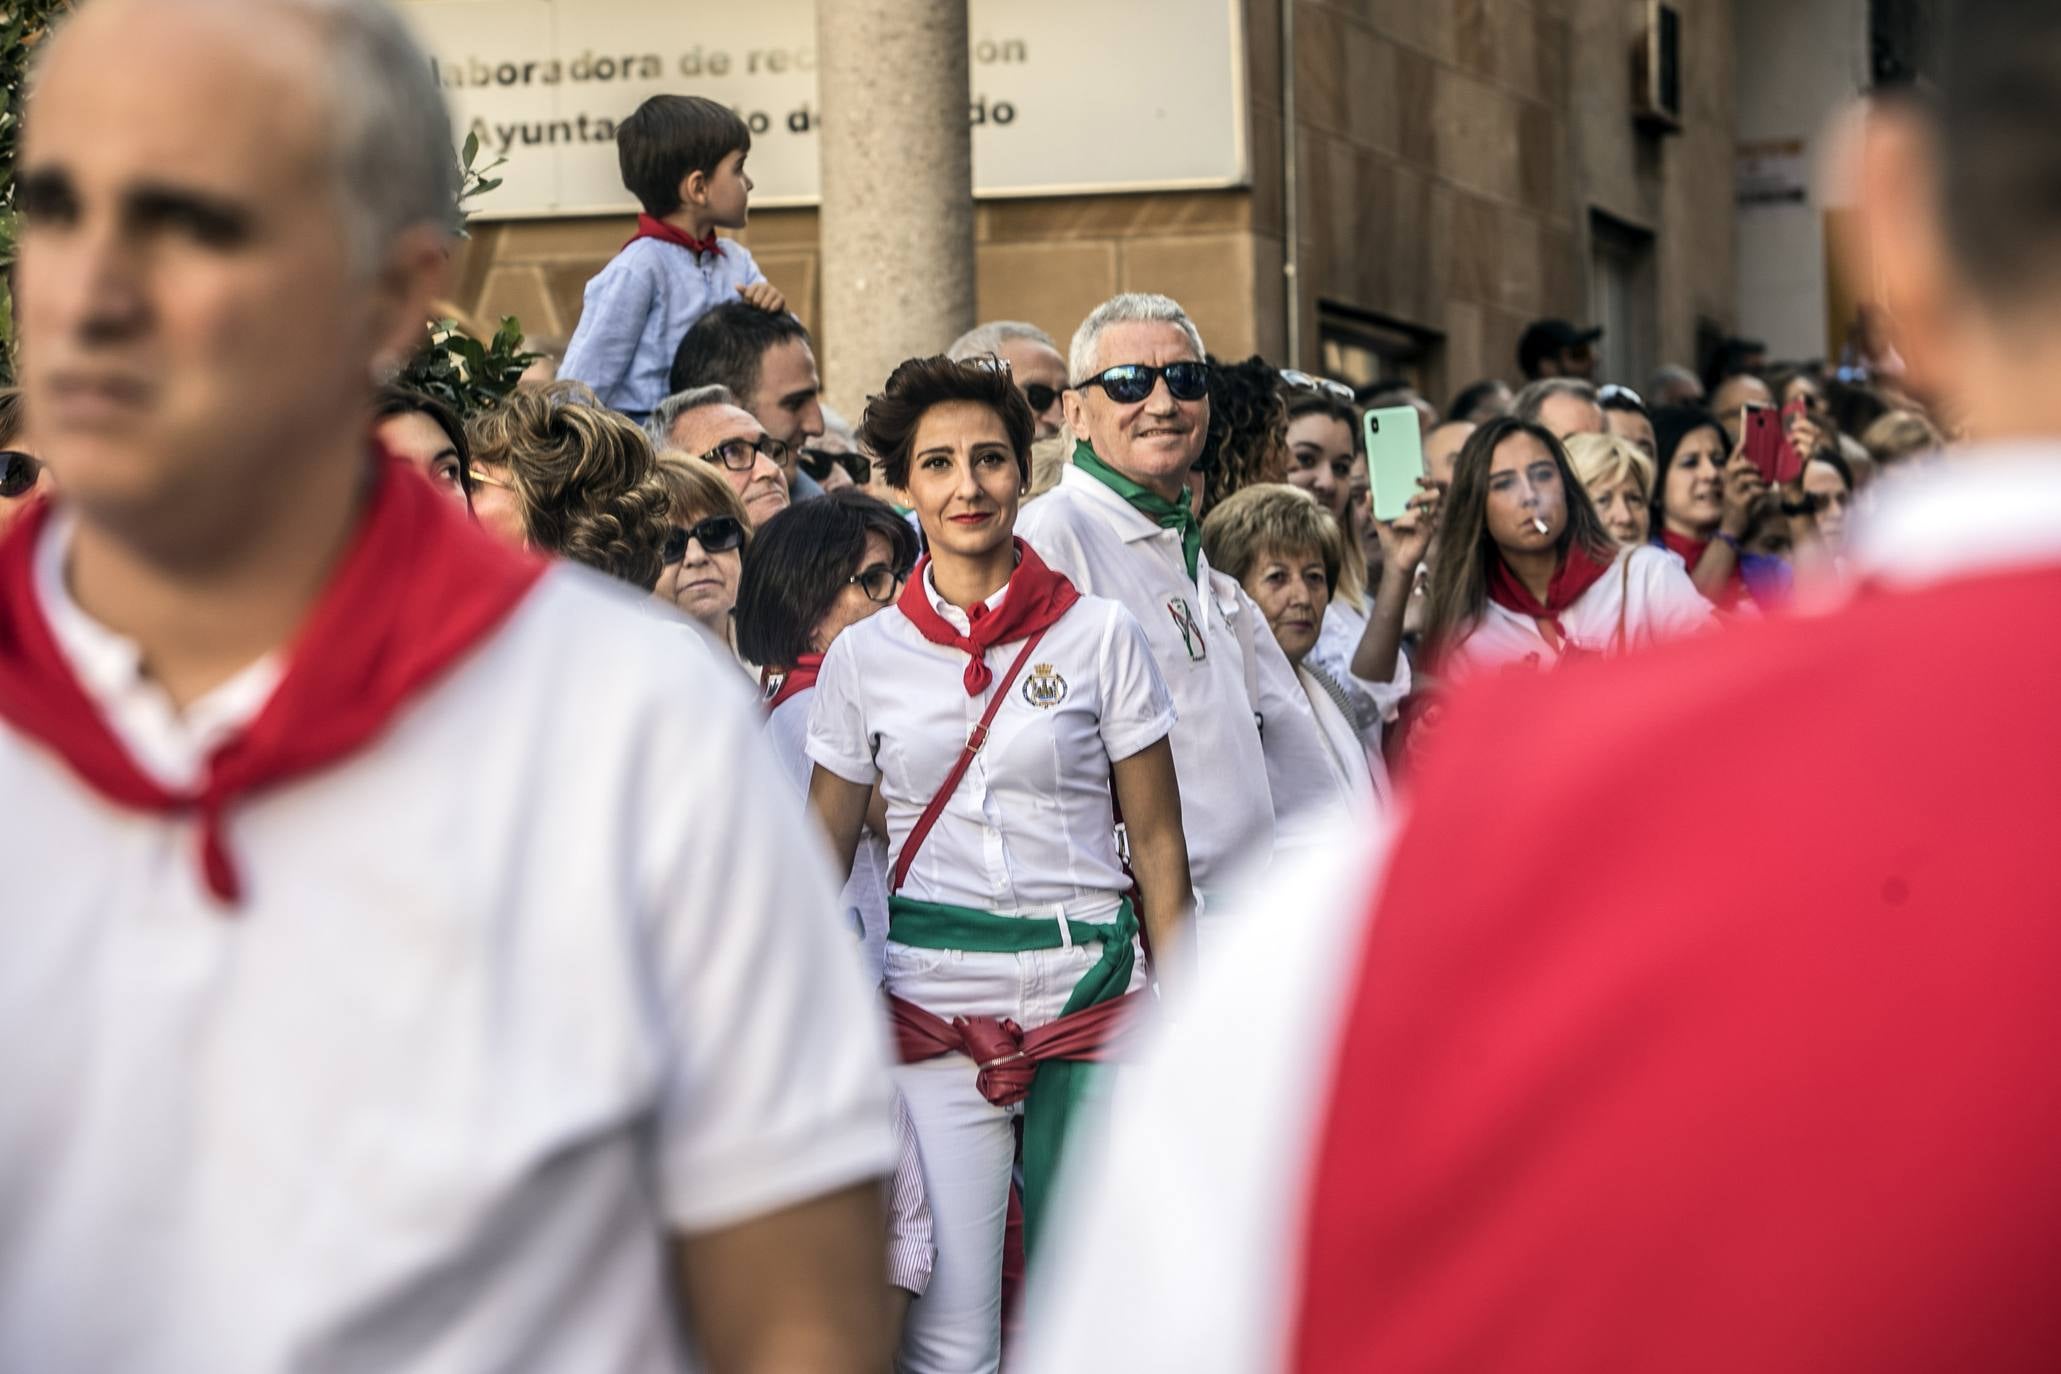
point(1691, 551)
point(418, 586)
point(793, 682)
point(1578, 571)
point(649, 227)
point(1037, 597)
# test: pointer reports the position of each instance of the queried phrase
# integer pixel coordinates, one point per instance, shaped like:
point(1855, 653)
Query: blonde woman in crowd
point(1286, 551)
point(1618, 476)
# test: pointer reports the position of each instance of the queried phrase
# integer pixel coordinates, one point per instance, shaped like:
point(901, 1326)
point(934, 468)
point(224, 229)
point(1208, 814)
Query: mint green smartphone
point(1395, 459)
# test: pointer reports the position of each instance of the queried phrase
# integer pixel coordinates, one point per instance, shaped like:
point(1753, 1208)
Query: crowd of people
point(435, 955)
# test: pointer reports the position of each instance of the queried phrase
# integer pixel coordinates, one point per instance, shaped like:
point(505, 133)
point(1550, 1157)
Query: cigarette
point(1538, 524)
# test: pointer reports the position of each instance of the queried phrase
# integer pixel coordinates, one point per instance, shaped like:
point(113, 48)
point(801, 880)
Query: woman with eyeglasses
point(812, 573)
point(703, 554)
point(1828, 496)
point(22, 474)
point(1007, 721)
point(579, 481)
point(1526, 573)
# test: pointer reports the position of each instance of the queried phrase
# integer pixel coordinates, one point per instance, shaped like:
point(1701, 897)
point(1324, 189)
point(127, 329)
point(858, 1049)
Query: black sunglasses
point(817, 463)
point(739, 455)
point(879, 582)
point(18, 472)
point(717, 534)
point(1130, 383)
point(1041, 396)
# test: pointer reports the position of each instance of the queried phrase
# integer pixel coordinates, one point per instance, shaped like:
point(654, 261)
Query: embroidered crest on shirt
point(1190, 628)
point(1044, 688)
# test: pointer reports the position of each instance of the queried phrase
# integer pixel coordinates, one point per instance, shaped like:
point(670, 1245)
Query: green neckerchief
point(1058, 1085)
point(1168, 515)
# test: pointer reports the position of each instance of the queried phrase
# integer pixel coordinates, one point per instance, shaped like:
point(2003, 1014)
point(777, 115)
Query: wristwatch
point(1732, 540)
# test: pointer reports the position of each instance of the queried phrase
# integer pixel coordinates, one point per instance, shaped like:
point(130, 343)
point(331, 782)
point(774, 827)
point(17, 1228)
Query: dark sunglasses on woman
point(1129, 383)
point(18, 472)
point(717, 534)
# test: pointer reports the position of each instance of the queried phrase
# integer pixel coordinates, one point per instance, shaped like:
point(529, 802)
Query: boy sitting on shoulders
point(683, 158)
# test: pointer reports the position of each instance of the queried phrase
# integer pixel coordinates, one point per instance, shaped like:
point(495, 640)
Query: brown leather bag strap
point(975, 741)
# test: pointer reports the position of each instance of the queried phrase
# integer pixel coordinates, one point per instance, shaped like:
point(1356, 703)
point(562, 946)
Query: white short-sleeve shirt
point(1240, 796)
point(1647, 586)
point(865, 891)
point(1030, 829)
point(536, 978)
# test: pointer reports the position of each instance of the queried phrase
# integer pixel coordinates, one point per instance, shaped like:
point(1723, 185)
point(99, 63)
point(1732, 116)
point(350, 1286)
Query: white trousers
point(968, 1144)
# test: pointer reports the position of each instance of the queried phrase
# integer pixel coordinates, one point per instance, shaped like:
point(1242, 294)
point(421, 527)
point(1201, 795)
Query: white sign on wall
point(1068, 95)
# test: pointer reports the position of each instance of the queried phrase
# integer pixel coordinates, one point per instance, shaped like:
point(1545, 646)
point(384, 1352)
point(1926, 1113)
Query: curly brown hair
point(888, 427)
point(589, 486)
point(1248, 429)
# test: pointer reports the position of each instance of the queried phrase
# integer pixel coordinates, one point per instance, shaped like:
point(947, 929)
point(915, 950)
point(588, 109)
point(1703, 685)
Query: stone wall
point(1450, 152)
point(1449, 155)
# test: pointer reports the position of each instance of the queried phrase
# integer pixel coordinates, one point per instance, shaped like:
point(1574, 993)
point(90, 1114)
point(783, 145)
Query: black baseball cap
point(1544, 338)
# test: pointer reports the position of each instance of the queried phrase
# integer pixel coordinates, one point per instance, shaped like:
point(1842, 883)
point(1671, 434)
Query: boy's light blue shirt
point(639, 307)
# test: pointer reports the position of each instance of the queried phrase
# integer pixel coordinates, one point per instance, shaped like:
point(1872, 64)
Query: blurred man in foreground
point(1499, 1107)
point(365, 1004)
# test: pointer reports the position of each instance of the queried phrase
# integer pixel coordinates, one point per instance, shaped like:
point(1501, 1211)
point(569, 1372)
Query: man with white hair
point(401, 980)
point(1034, 362)
point(1119, 524)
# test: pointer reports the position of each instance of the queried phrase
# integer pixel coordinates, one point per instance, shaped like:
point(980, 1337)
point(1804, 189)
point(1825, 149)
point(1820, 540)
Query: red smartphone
point(1765, 441)
point(1789, 467)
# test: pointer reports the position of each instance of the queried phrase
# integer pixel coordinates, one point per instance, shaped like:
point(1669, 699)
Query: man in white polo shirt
point(409, 966)
point(1249, 752)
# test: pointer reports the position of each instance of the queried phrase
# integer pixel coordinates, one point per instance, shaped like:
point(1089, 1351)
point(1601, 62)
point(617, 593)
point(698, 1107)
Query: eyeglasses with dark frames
point(879, 582)
point(717, 534)
point(741, 455)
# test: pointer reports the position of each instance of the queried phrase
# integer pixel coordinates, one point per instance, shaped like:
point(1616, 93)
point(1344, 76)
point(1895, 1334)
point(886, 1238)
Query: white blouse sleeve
point(838, 736)
point(1670, 604)
point(1137, 707)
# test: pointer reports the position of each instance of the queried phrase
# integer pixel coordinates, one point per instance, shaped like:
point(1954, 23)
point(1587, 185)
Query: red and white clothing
point(1029, 831)
point(1646, 590)
point(418, 1071)
point(1488, 1108)
point(1222, 665)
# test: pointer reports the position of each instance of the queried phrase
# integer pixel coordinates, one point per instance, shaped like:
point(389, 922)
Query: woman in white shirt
point(1526, 573)
point(1286, 551)
point(1006, 720)
point(814, 571)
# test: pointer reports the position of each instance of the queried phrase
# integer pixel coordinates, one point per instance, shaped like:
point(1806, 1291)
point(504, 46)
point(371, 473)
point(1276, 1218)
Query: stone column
point(897, 152)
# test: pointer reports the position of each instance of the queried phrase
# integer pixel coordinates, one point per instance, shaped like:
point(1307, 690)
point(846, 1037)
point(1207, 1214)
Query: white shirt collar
point(169, 744)
point(1983, 508)
point(1132, 523)
point(953, 616)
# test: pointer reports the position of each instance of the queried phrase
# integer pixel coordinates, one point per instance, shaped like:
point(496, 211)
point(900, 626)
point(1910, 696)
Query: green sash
point(1168, 515)
point(1058, 1084)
